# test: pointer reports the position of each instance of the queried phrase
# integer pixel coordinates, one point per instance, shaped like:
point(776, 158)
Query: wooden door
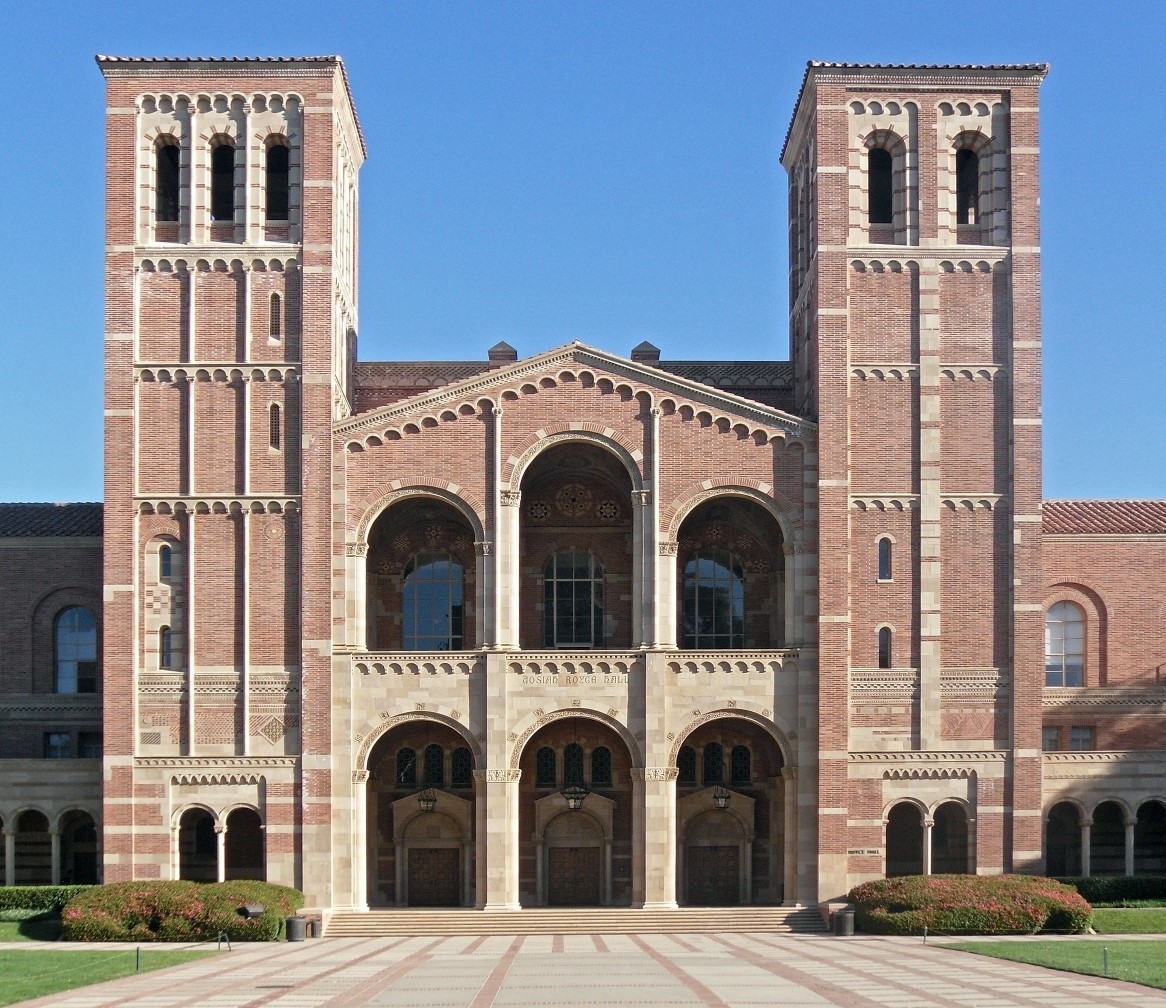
point(574, 876)
point(434, 879)
point(714, 875)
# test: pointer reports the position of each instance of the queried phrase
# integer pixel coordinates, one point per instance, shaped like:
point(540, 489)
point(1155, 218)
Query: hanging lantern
point(427, 799)
point(721, 796)
point(575, 795)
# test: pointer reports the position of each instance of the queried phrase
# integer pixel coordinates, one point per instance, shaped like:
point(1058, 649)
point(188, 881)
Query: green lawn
point(1142, 962)
point(1139, 920)
point(46, 928)
point(32, 973)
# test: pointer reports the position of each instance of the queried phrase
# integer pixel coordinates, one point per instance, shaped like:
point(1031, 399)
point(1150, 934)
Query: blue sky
point(542, 172)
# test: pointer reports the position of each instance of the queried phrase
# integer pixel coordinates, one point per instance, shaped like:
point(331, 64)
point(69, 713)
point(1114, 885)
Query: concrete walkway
point(598, 971)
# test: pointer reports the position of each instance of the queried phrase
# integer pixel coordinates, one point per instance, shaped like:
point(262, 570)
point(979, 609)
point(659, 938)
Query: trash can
point(313, 927)
point(296, 928)
point(844, 923)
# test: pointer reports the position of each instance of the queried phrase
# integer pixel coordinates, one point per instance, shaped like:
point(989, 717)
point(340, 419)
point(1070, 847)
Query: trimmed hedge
point(1119, 889)
point(968, 904)
point(178, 911)
point(43, 898)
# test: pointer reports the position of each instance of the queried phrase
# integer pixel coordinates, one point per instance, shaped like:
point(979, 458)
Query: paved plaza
point(605, 971)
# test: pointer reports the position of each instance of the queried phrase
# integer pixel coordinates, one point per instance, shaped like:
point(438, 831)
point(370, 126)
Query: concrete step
point(573, 920)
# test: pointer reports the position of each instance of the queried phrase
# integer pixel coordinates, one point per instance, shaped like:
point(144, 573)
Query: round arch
point(776, 505)
point(550, 717)
point(445, 496)
point(538, 445)
point(360, 764)
point(761, 720)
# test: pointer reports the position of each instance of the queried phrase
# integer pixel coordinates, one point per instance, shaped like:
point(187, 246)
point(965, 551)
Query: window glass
point(223, 181)
point(275, 322)
point(573, 764)
point(884, 559)
point(544, 767)
point(601, 767)
point(885, 647)
point(573, 600)
point(165, 648)
point(58, 745)
point(165, 562)
point(714, 763)
point(432, 603)
point(686, 765)
point(714, 600)
point(1065, 645)
point(166, 180)
point(880, 205)
point(274, 433)
point(277, 182)
point(406, 768)
point(434, 765)
point(461, 768)
point(1050, 739)
point(1081, 738)
point(741, 765)
point(75, 637)
point(89, 745)
point(967, 185)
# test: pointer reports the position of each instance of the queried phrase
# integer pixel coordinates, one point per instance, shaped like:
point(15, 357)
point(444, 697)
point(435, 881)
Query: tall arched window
point(223, 180)
point(714, 763)
point(275, 322)
point(1065, 645)
point(884, 559)
point(686, 765)
point(573, 600)
point(740, 765)
point(880, 186)
point(967, 185)
point(714, 600)
point(461, 768)
point(601, 767)
point(165, 648)
point(434, 765)
point(406, 767)
point(165, 563)
point(75, 644)
point(573, 764)
point(884, 647)
point(544, 767)
point(277, 181)
point(432, 603)
point(275, 430)
point(166, 179)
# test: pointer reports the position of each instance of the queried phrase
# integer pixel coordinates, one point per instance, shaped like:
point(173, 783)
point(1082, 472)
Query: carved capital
point(356, 549)
point(510, 498)
point(359, 776)
point(503, 776)
point(656, 773)
point(641, 497)
point(669, 547)
point(483, 547)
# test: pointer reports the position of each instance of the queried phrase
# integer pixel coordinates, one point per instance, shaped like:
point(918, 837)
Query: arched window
point(275, 322)
point(165, 648)
point(75, 643)
point(573, 764)
point(714, 763)
point(165, 562)
point(686, 765)
point(274, 428)
point(223, 180)
point(461, 768)
point(884, 559)
point(432, 603)
point(714, 600)
point(601, 767)
point(967, 185)
point(573, 600)
point(884, 647)
point(277, 181)
point(544, 767)
point(740, 765)
point(880, 186)
point(434, 765)
point(166, 179)
point(406, 768)
point(1065, 645)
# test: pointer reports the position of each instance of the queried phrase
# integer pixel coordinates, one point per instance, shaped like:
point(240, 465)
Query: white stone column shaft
point(221, 853)
point(928, 824)
point(1086, 842)
point(660, 837)
point(790, 867)
point(55, 842)
point(360, 839)
point(10, 857)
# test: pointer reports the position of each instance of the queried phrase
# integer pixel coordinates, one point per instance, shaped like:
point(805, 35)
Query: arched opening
point(33, 855)
point(1150, 839)
point(731, 576)
point(884, 647)
point(576, 530)
point(880, 186)
point(1065, 645)
point(730, 815)
point(79, 854)
point(198, 851)
point(884, 559)
point(166, 180)
point(75, 647)
point(967, 186)
point(1063, 840)
point(421, 577)
point(950, 849)
point(905, 840)
point(420, 854)
point(277, 180)
point(223, 180)
point(1107, 840)
point(575, 857)
point(244, 846)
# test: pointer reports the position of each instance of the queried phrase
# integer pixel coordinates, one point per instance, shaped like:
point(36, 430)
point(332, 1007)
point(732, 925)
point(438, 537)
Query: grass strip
point(41, 928)
point(1140, 962)
point(1138, 920)
point(33, 973)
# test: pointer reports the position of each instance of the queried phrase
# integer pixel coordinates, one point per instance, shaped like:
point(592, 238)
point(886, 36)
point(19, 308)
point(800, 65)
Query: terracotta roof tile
point(17, 520)
point(1104, 517)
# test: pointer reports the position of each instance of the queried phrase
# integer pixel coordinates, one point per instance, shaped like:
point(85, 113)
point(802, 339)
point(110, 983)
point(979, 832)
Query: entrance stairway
point(574, 920)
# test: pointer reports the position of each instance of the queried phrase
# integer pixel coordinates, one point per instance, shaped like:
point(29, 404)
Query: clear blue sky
point(541, 172)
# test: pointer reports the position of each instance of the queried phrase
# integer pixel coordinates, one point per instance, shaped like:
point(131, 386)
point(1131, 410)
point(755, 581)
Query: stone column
point(360, 839)
point(357, 576)
point(507, 571)
point(502, 840)
point(400, 897)
point(480, 851)
point(221, 853)
point(660, 837)
point(1130, 823)
point(747, 872)
point(484, 594)
point(789, 888)
point(9, 857)
point(637, 776)
point(55, 869)
point(1086, 854)
point(928, 823)
point(665, 593)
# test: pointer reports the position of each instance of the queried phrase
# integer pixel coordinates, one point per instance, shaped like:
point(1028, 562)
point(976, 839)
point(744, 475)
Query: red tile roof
point(1104, 517)
point(50, 520)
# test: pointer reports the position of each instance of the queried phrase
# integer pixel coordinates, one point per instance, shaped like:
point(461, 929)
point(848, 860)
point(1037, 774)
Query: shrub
point(1119, 889)
point(178, 911)
point(968, 904)
point(42, 899)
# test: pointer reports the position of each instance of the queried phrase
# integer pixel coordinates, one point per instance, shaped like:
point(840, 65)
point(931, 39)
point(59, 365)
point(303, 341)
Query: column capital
point(655, 773)
point(642, 497)
point(498, 776)
point(668, 547)
point(359, 776)
point(483, 547)
point(510, 498)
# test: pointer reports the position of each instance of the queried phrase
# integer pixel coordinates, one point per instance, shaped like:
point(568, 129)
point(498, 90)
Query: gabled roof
point(1104, 517)
point(18, 520)
point(663, 377)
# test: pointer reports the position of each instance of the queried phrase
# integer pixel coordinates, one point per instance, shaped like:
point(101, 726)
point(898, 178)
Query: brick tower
point(915, 337)
point(230, 331)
